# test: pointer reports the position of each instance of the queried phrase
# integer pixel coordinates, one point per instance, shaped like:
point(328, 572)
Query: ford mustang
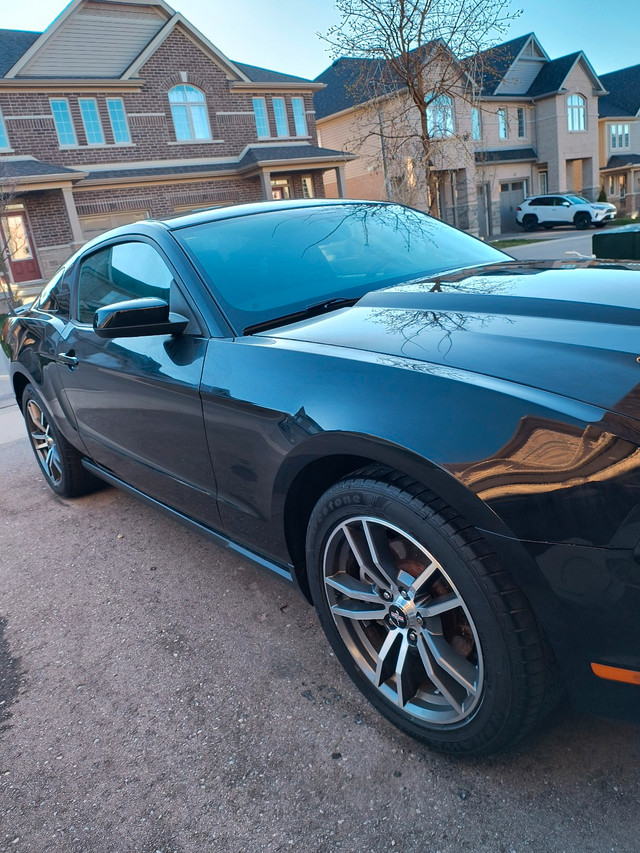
point(438, 445)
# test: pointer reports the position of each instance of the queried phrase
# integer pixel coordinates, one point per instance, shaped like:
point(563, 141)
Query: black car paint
point(260, 425)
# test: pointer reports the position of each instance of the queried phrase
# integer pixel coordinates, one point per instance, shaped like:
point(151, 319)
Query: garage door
point(92, 226)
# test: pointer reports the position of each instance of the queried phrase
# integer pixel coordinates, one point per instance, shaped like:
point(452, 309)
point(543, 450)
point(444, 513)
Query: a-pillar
point(265, 180)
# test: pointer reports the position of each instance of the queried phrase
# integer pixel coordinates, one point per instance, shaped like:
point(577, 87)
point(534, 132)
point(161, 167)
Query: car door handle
point(68, 359)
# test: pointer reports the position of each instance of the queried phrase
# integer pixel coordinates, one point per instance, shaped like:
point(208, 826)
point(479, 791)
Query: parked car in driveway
point(547, 211)
point(439, 446)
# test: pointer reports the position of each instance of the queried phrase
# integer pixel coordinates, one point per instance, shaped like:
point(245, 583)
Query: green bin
point(619, 243)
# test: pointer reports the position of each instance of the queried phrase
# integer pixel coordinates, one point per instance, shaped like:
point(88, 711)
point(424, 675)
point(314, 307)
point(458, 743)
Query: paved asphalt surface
point(158, 693)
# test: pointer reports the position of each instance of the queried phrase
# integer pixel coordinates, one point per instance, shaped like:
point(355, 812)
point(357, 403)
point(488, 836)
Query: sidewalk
point(11, 421)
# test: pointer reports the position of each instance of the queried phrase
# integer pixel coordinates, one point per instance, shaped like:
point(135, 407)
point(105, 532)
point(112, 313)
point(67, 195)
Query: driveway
point(159, 694)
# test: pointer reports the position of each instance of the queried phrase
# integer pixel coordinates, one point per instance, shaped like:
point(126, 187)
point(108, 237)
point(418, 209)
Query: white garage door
point(92, 226)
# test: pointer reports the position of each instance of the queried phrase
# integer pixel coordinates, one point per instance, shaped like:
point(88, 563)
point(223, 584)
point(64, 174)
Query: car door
point(136, 401)
point(558, 213)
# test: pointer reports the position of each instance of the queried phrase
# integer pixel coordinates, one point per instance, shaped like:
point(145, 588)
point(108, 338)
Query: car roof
point(235, 210)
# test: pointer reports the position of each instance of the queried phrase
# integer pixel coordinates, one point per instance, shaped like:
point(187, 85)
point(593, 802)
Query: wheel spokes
point(359, 610)
point(352, 587)
point(451, 662)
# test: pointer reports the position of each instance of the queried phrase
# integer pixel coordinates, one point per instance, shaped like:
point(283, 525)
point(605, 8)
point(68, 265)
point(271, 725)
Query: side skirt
point(284, 572)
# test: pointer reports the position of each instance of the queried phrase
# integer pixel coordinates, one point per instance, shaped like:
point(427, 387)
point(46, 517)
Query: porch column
point(72, 213)
point(265, 180)
point(342, 181)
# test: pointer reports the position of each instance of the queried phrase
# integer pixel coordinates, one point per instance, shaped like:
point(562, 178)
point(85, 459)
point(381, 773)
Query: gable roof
point(498, 60)
point(623, 87)
point(553, 74)
point(341, 81)
point(13, 44)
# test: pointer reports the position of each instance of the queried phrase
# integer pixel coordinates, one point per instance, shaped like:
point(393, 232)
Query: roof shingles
point(13, 44)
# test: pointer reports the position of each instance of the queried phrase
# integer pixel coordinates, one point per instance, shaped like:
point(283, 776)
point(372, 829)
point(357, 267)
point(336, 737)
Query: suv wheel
point(530, 222)
point(582, 221)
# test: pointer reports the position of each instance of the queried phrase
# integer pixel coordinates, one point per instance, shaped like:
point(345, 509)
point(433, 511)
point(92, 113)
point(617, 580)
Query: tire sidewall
point(471, 734)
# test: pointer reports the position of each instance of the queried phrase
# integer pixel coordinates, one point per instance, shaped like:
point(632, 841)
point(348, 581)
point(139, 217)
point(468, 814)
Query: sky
point(282, 34)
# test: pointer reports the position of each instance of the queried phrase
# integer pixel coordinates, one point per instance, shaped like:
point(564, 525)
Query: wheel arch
point(307, 476)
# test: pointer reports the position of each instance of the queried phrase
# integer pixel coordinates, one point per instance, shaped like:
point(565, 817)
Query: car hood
point(601, 205)
point(570, 329)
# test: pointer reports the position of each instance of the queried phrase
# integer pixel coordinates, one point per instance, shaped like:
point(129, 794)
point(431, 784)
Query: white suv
point(550, 210)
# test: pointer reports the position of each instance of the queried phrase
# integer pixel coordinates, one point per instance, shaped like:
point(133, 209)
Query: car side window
point(539, 202)
point(120, 272)
point(56, 297)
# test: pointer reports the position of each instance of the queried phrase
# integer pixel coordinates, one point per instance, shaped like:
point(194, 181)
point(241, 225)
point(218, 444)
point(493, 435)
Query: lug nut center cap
point(397, 617)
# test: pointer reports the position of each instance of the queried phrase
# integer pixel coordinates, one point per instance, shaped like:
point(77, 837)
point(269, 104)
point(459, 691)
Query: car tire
point(449, 650)
point(530, 222)
point(59, 461)
point(582, 221)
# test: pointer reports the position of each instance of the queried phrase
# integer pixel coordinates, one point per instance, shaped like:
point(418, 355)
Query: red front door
point(18, 246)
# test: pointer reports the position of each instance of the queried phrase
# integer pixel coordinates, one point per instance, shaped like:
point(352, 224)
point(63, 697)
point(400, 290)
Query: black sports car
point(439, 446)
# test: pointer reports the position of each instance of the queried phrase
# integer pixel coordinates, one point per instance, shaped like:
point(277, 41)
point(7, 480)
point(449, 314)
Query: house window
point(307, 186)
point(4, 139)
point(576, 113)
point(63, 121)
point(189, 113)
point(280, 189)
point(503, 124)
point(299, 117)
point(280, 113)
point(522, 123)
point(476, 126)
point(118, 119)
point(543, 182)
point(612, 186)
point(91, 121)
point(440, 116)
point(262, 121)
point(618, 135)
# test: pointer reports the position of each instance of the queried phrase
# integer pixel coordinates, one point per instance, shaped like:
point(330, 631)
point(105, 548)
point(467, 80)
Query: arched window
point(440, 116)
point(189, 113)
point(576, 113)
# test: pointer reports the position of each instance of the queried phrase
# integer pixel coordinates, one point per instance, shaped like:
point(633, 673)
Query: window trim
point(311, 190)
point(576, 113)
point(4, 134)
point(300, 120)
point(522, 123)
point(283, 124)
point(267, 124)
point(188, 105)
point(618, 136)
point(93, 101)
point(64, 101)
point(124, 118)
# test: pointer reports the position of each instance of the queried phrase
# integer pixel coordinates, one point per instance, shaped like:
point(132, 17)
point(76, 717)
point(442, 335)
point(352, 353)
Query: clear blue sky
point(281, 34)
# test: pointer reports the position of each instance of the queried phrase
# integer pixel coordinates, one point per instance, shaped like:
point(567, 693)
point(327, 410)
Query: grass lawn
point(515, 241)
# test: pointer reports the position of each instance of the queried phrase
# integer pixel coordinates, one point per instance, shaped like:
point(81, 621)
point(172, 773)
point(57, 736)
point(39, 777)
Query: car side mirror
point(566, 204)
point(137, 317)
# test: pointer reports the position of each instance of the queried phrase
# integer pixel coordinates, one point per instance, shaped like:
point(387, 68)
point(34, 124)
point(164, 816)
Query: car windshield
point(577, 199)
point(268, 265)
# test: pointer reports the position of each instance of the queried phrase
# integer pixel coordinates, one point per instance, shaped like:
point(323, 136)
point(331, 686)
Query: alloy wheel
point(44, 442)
point(403, 621)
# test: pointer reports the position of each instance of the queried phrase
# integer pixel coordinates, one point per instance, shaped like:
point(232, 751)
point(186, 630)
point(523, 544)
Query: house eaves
point(57, 84)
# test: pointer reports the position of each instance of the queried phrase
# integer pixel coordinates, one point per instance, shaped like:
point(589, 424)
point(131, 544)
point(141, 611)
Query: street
point(158, 693)
point(565, 245)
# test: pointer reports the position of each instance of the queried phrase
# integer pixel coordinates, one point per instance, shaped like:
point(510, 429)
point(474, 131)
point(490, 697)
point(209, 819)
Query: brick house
point(122, 110)
point(619, 112)
point(531, 127)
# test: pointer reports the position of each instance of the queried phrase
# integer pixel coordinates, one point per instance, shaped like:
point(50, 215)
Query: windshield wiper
point(303, 314)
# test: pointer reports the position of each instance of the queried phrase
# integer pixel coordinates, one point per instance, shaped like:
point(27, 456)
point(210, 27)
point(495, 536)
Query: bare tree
point(411, 60)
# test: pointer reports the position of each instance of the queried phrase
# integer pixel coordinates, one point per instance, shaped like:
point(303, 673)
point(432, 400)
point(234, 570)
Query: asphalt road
point(159, 694)
point(564, 245)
